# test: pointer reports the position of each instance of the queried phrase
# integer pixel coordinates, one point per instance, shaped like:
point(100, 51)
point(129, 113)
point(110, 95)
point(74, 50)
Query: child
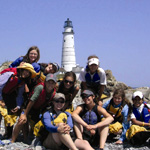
point(40, 98)
point(93, 77)
point(140, 119)
point(118, 108)
point(12, 83)
point(59, 124)
point(69, 89)
point(88, 122)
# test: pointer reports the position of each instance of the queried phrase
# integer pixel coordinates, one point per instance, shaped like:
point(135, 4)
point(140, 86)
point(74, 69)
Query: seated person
point(118, 108)
point(88, 121)
point(59, 125)
point(138, 133)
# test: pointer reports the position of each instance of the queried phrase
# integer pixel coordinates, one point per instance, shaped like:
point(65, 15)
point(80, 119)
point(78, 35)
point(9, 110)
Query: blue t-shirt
point(17, 62)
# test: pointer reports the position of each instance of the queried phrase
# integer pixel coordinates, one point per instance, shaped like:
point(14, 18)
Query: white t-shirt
point(139, 109)
point(102, 76)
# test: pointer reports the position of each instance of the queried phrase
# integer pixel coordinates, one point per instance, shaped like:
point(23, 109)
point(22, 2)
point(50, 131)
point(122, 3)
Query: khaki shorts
point(49, 142)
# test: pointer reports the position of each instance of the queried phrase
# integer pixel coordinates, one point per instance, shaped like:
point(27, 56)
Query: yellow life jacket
point(115, 112)
point(9, 120)
point(133, 130)
point(61, 118)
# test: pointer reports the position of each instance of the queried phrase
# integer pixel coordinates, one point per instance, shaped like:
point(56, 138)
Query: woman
point(93, 77)
point(49, 68)
point(69, 89)
point(88, 120)
point(59, 125)
point(32, 56)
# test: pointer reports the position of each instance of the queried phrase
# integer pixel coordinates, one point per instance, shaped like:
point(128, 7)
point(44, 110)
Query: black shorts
point(92, 139)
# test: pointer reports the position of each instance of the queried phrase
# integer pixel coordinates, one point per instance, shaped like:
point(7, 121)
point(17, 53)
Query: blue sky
point(118, 32)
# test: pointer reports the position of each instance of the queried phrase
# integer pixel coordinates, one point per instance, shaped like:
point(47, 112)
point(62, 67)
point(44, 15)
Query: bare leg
point(103, 132)
point(79, 130)
point(66, 139)
point(16, 131)
point(25, 131)
point(83, 144)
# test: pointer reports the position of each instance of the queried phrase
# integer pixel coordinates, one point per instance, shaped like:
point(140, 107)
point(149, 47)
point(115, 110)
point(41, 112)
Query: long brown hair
point(61, 86)
point(121, 93)
point(26, 57)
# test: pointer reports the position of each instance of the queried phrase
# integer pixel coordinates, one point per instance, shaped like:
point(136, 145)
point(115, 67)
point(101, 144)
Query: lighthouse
point(68, 60)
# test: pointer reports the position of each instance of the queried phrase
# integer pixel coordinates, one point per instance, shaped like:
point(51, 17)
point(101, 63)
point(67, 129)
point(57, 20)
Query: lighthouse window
point(64, 40)
point(72, 37)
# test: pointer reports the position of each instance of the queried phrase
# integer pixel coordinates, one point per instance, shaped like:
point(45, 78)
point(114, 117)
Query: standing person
point(88, 121)
point(59, 125)
point(40, 98)
point(93, 77)
point(69, 89)
point(118, 108)
point(12, 83)
point(32, 57)
point(138, 133)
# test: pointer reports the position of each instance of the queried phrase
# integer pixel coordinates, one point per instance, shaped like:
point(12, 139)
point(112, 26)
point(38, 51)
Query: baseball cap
point(93, 61)
point(57, 66)
point(87, 92)
point(51, 76)
point(137, 93)
point(58, 96)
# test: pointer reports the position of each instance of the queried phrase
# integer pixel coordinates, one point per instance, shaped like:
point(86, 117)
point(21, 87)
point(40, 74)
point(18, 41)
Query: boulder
point(112, 83)
point(5, 65)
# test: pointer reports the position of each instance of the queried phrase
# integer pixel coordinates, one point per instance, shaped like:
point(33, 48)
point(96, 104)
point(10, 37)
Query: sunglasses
point(85, 96)
point(57, 101)
point(70, 82)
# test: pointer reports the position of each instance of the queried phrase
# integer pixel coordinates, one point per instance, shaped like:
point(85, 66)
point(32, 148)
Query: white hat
point(93, 61)
point(137, 93)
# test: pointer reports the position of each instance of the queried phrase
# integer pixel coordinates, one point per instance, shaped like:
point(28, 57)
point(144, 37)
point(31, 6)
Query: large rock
point(5, 65)
point(112, 83)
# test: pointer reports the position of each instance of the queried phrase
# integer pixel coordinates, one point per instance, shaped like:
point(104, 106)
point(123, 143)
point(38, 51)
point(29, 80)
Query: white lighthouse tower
point(68, 60)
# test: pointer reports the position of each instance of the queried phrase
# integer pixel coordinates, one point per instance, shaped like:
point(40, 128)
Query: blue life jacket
point(92, 82)
point(90, 117)
point(144, 115)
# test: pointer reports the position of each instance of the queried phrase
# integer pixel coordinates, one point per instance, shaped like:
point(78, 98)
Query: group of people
point(33, 101)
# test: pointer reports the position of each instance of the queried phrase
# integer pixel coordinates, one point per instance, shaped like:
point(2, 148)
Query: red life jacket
point(9, 70)
point(13, 82)
point(41, 102)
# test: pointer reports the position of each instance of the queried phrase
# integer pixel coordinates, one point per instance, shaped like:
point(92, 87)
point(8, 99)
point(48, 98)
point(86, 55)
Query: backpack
point(9, 70)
